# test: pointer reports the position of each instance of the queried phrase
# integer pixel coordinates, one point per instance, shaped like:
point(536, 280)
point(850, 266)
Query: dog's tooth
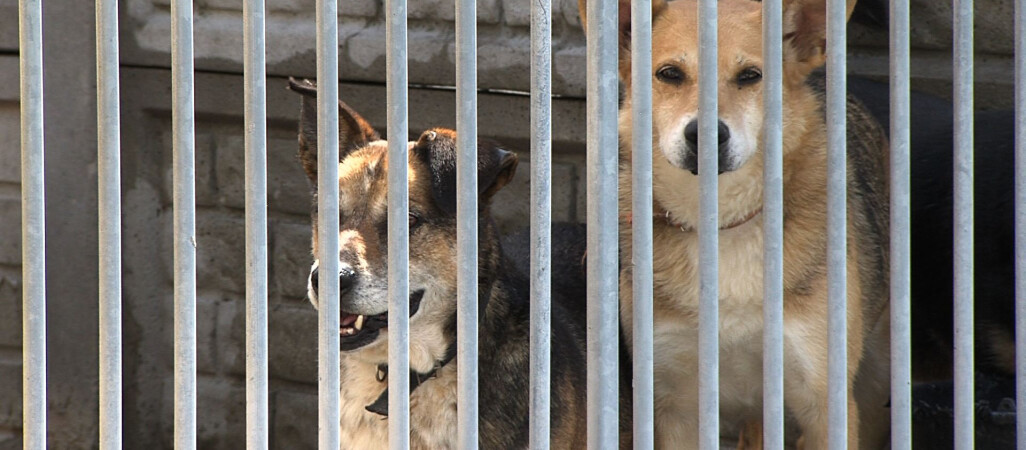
point(359, 322)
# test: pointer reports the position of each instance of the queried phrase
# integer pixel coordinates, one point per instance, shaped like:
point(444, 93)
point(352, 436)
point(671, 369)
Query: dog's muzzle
point(690, 159)
point(358, 330)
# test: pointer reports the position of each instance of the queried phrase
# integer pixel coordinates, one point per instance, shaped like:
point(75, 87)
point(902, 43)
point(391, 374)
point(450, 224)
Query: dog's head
point(675, 75)
point(363, 227)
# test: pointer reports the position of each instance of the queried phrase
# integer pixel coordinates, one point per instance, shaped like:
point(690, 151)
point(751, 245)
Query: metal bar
point(901, 343)
point(327, 226)
point(837, 233)
point(773, 227)
point(255, 80)
point(708, 230)
point(963, 227)
point(641, 191)
point(109, 205)
point(541, 222)
point(33, 225)
point(466, 219)
point(1020, 223)
point(398, 225)
point(184, 168)
point(603, 371)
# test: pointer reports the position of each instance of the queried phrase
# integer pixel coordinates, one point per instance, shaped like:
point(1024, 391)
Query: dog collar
point(665, 215)
point(380, 406)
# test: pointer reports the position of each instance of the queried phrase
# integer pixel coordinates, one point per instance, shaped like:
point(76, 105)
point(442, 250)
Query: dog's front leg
point(805, 396)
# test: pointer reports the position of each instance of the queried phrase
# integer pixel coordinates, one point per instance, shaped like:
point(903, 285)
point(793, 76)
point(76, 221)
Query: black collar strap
point(380, 406)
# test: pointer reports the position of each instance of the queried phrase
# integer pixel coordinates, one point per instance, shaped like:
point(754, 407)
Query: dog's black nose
point(346, 279)
point(691, 133)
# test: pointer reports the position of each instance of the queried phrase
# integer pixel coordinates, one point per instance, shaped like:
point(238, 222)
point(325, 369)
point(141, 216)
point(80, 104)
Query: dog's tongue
point(348, 319)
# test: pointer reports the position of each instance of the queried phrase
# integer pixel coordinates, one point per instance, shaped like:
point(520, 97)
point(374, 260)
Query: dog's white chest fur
point(433, 429)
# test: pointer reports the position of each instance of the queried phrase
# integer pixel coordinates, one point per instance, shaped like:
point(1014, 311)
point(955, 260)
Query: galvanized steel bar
point(109, 213)
point(963, 226)
point(708, 230)
point(466, 219)
point(641, 191)
point(398, 226)
point(327, 225)
point(773, 228)
point(541, 222)
point(1020, 223)
point(603, 371)
point(33, 225)
point(255, 80)
point(901, 269)
point(184, 176)
point(837, 235)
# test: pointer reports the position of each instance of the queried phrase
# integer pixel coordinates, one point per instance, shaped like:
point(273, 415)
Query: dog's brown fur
point(504, 314)
point(675, 192)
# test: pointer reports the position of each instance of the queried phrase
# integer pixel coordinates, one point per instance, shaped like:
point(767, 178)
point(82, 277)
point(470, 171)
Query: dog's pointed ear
point(353, 130)
point(805, 23)
point(495, 167)
point(624, 30)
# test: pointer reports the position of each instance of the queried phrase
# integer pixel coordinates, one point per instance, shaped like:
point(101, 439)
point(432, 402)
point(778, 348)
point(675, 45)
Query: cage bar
point(327, 225)
point(541, 222)
point(33, 225)
point(773, 227)
point(398, 224)
point(837, 233)
point(641, 191)
point(108, 113)
point(184, 180)
point(901, 272)
point(602, 270)
point(255, 81)
point(963, 226)
point(466, 219)
point(1020, 224)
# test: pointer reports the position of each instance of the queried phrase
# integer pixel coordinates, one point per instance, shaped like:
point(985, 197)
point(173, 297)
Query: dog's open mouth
point(358, 330)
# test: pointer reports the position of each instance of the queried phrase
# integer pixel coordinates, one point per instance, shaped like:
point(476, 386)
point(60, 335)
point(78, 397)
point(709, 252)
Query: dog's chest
point(432, 411)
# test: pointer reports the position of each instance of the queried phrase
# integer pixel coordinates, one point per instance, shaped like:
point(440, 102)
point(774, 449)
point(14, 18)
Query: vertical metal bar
point(327, 224)
point(109, 173)
point(708, 230)
point(963, 229)
point(33, 225)
point(1020, 223)
point(255, 80)
point(466, 218)
point(541, 221)
point(901, 344)
point(773, 227)
point(603, 371)
point(641, 191)
point(398, 225)
point(837, 233)
point(184, 168)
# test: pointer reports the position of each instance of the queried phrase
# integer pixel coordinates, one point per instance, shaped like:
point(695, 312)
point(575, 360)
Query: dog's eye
point(749, 76)
point(414, 220)
point(670, 74)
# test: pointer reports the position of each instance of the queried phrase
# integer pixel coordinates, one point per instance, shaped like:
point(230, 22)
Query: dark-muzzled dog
point(503, 340)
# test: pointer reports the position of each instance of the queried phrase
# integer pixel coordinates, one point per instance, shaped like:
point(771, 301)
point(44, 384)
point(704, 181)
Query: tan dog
point(676, 203)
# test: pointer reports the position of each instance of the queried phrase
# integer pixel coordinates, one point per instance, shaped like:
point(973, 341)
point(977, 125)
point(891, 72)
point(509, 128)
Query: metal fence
point(602, 276)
